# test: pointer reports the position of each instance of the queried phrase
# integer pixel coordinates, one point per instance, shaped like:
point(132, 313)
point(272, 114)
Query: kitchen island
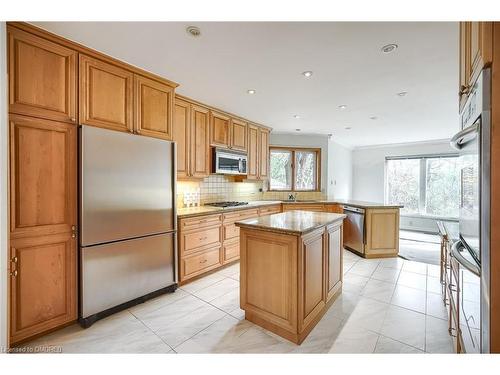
point(290, 270)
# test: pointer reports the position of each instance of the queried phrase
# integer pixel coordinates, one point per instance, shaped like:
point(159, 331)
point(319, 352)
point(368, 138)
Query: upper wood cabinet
point(153, 108)
point(476, 46)
point(181, 133)
point(219, 129)
point(42, 77)
point(200, 135)
point(253, 153)
point(106, 95)
point(263, 153)
point(238, 135)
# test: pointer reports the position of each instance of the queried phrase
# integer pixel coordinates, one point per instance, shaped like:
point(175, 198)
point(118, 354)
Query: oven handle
point(455, 253)
point(465, 136)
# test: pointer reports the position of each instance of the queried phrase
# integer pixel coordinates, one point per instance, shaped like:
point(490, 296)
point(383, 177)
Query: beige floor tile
point(415, 267)
point(433, 270)
point(322, 337)
point(238, 314)
point(405, 326)
point(409, 298)
point(344, 305)
point(230, 270)
point(158, 302)
point(412, 280)
point(387, 345)
point(368, 314)
point(437, 338)
point(434, 285)
point(386, 274)
point(354, 283)
point(436, 306)
point(378, 290)
point(363, 269)
point(180, 330)
point(202, 283)
point(217, 290)
point(395, 262)
point(119, 333)
point(355, 340)
point(228, 302)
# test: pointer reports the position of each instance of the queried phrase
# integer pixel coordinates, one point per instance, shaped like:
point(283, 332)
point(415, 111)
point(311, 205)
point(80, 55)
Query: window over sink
point(294, 169)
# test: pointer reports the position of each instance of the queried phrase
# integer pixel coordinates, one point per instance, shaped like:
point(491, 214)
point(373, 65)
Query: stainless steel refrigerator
point(127, 220)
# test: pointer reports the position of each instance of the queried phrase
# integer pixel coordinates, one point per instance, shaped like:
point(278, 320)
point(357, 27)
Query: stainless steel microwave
point(229, 162)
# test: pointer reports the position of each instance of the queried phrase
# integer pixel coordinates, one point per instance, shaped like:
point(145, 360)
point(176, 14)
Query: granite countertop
point(292, 222)
point(204, 210)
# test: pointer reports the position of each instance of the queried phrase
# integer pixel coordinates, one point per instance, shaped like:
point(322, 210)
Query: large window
point(425, 185)
point(294, 169)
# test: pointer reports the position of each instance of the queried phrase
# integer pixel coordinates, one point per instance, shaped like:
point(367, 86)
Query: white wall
point(3, 186)
point(336, 161)
point(369, 174)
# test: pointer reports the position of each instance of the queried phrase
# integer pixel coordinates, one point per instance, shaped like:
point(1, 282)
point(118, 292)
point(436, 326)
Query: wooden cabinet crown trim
point(86, 50)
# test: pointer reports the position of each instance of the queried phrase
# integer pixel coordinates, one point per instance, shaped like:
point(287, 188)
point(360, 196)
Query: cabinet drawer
point(231, 251)
point(240, 215)
point(200, 221)
point(304, 207)
point(195, 264)
point(263, 211)
point(201, 238)
point(231, 231)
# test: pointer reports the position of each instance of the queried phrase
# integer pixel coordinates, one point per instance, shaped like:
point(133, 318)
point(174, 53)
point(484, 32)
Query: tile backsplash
point(216, 188)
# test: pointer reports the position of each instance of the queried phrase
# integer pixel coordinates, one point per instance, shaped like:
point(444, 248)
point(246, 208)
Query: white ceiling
point(230, 57)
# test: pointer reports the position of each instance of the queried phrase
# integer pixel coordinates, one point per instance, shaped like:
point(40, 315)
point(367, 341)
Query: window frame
point(422, 183)
point(292, 150)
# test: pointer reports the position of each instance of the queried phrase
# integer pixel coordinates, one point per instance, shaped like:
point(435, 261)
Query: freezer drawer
point(118, 272)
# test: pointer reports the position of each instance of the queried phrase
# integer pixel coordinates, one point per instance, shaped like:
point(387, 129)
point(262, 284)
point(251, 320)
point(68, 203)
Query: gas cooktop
point(226, 204)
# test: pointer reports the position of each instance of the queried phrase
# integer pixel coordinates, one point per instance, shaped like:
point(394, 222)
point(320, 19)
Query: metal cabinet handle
point(203, 238)
point(14, 273)
point(14, 260)
point(203, 261)
point(73, 235)
point(73, 119)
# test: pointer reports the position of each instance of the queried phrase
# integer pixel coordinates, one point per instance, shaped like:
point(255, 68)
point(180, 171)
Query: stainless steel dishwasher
point(354, 229)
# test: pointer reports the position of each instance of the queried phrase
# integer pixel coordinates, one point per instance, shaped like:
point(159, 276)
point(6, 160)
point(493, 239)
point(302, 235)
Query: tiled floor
point(387, 306)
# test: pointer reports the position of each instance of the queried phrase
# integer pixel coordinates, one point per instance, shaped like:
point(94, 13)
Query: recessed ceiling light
point(373, 117)
point(296, 116)
point(307, 73)
point(402, 93)
point(342, 106)
point(193, 31)
point(297, 130)
point(251, 92)
point(388, 48)
point(347, 128)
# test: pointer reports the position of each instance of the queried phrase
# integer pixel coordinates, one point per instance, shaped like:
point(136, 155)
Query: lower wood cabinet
point(201, 262)
point(334, 246)
point(303, 207)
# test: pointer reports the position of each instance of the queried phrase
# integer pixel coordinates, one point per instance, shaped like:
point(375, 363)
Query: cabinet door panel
point(106, 95)
point(219, 129)
point(42, 77)
point(253, 152)
point(200, 157)
point(334, 258)
point(263, 153)
point(43, 290)
point(313, 273)
point(153, 108)
point(181, 134)
point(42, 176)
point(238, 135)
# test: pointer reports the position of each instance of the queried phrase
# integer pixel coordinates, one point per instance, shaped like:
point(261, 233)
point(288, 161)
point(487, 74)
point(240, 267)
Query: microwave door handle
point(240, 165)
point(464, 136)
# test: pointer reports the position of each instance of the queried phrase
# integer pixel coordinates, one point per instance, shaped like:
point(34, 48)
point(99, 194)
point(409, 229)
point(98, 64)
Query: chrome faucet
point(291, 197)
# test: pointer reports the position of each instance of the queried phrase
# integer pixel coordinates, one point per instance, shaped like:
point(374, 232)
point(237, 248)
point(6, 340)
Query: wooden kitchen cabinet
point(43, 213)
point(181, 134)
point(253, 153)
point(263, 153)
point(382, 232)
point(200, 149)
point(316, 207)
point(153, 107)
point(106, 95)
point(334, 246)
point(476, 52)
point(238, 135)
point(219, 129)
point(42, 77)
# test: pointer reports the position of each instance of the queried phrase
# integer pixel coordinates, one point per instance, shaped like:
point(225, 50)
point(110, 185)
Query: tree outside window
point(294, 169)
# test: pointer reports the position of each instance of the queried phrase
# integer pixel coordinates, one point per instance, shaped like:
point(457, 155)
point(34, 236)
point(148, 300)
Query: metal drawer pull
point(203, 238)
point(14, 260)
point(204, 261)
point(14, 273)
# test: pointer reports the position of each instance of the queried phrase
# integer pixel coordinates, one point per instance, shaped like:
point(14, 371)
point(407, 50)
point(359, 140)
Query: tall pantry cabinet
point(43, 184)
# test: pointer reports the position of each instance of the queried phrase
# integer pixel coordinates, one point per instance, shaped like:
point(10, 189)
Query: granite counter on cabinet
point(290, 270)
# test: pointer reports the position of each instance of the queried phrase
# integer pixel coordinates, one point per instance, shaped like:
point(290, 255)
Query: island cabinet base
point(289, 280)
